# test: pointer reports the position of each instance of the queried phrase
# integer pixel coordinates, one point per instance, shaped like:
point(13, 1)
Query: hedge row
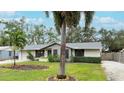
point(56, 58)
point(53, 58)
point(87, 59)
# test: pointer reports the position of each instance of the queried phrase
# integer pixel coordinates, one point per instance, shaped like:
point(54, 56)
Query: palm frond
point(88, 18)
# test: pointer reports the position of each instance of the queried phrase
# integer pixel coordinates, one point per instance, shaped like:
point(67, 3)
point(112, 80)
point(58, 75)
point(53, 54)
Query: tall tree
point(63, 20)
point(52, 36)
point(89, 35)
point(74, 34)
point(4, 40)
point(119, 40)
point(68, 19)
point(30, 34)
point(107, 38)
point(78, 35)
point(17, 37)
point(39, 34)
point(88, 17)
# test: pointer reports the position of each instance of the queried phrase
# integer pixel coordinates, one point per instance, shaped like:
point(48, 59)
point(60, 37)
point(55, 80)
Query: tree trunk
point(63, 49)
point(21, 55)
point(14, 58)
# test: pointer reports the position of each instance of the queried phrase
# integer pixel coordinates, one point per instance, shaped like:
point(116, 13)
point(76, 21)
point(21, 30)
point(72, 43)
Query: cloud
point(10, 19)
point(28, 20)
point(34, 20)
point(108, 23)
point(105, 20)
point(7, 13)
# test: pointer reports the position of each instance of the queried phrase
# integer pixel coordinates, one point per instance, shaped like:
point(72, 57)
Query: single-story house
point(86, 49)
point(6, 53)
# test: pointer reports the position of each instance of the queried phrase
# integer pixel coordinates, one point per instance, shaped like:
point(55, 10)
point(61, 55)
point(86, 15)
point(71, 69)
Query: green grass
point(81, 71)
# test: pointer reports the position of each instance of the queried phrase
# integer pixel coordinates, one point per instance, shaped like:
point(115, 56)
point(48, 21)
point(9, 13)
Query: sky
point(102, 19)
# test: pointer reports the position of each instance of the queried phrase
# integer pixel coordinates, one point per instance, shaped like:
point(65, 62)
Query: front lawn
point(81, 71)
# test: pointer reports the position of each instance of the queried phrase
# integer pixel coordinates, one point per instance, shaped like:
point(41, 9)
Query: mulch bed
point(68, 78)
point(26, 67)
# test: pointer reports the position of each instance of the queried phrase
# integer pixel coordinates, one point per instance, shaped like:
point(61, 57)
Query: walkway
point(114, 70)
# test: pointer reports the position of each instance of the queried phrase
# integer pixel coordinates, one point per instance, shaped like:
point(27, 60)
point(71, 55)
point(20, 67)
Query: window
point(39, 53)
point(67, 53)
point(79, 52)
point(55, 52)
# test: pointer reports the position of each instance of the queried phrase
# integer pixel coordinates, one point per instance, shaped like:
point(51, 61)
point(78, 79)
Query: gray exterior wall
point(4, 55)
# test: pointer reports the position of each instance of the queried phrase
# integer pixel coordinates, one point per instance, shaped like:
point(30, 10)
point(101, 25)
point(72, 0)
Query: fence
point(114, 56)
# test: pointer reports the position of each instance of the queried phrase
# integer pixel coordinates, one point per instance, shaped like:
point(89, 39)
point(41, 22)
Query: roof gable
point(35, 47)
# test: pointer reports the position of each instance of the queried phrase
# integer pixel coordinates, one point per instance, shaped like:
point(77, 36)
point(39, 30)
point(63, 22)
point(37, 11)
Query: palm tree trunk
point(63, 48)
point(14, 58)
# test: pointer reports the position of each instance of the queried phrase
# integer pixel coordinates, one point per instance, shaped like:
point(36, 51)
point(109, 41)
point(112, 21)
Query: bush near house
point(53, 58)
point(87, 59)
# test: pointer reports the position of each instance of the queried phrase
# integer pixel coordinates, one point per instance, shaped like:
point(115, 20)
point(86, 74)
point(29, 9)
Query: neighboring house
point(6, 53)
point(89, 49)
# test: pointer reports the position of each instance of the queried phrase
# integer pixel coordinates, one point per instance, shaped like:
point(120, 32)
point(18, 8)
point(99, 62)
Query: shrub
point(53, 58)
point(30, 56)
point(87, 59)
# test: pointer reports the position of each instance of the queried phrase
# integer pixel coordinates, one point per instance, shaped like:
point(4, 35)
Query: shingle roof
point(35, 47)
point(87, 45)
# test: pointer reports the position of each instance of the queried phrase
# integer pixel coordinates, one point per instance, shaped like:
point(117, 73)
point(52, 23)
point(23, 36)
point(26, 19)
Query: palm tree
point(17, 40)
point(63, 20)
point(88, 15)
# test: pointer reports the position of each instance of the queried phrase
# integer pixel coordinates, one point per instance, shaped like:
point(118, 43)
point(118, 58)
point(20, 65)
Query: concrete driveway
point(114, 70)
